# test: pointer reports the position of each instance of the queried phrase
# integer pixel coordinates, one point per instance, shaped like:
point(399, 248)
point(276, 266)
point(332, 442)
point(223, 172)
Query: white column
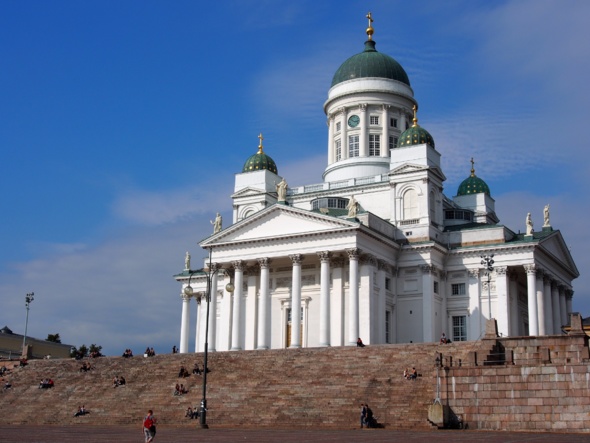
point(531, 277)
point(428, 303)
point(330, 139)
point(367, 303)
point(198, 325)
point(562, 306)
point(556, 308)
point(250, 314)
point(264, 302)
point(236, 329)
point(548, 306)
point(381, 307)
point(213, 309)
point(337, 303)
point(184, 322)
point(385, 134)
point(364, 134)
point(353, 296)
point(225, 320)
point(296, 301)
point(514, 315)
point(324, 298)
point(344, 133)
point(444, 308)
point(475, 314)
point(541, 303)
point(502, 308)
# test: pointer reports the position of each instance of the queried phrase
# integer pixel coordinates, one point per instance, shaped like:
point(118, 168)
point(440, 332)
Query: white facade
point(405, 268)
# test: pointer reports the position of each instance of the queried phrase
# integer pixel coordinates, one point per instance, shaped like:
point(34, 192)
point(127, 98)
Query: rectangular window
point(393, 122)
point(338, 126)
point(374, 120)
point(353, 146)
point(338, 149)
point(388, 283)
point(387, 326)
point(407, 125)
point(436, 287)
point(459, 328)
point(391, 142)
point(458, 289)
point(374, 145)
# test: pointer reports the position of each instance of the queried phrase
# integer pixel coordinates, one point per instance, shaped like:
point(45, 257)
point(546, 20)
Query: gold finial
point(370, 29)
point(472, 168)
point(415, 119)
point(260, 145)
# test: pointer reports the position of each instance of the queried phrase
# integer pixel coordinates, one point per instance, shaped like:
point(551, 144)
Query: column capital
point(368, 259)
point(215, 267)
point(429, 269)
point(238, 265)
point(530, 269)
point(474, 272)
point(353, 253)
point(296, 258)
point(185, 297)
point(363, 107)
point(501, 270)
point(264, 262)
point(324, 256)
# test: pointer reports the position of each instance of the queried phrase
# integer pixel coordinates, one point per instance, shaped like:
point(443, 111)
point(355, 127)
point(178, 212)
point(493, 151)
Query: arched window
point(410, 204)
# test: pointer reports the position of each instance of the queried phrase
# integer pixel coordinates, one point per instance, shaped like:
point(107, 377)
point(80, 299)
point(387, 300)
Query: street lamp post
point(488, 262)
point(28, 299)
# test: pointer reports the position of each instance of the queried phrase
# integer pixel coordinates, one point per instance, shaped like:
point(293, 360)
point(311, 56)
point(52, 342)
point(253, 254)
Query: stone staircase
point(311, 387)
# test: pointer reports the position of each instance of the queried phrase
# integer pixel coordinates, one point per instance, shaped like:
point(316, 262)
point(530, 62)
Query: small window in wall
point(374, 120)
point(458, 289)
point(353, 146)
point(459, 328)
point(388, 283)
point(393, 122)
point(387, 326)
point(338, 149)
point(338, 126)
point(435, 287)
point(374, 145)
point(391, 142)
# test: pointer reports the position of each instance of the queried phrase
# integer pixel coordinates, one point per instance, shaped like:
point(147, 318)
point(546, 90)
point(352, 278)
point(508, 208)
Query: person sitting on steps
point(359, 343)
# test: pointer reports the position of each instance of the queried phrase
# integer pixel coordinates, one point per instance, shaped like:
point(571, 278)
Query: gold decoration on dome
point(260, 145)
point(370, 29)
point(415, 119)
point(472, 168)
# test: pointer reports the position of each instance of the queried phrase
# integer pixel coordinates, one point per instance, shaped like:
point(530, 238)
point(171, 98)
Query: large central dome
point(370, 63)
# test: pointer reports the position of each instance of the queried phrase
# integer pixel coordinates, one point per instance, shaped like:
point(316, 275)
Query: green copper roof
point(370, 63)
point(258, 162)
point(415, 135)
point(473, 185)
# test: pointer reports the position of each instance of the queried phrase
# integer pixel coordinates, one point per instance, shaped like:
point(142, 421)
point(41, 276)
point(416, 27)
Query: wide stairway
point(311, 387)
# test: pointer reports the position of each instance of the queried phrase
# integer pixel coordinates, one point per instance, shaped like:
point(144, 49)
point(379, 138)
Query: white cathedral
point(376, 250)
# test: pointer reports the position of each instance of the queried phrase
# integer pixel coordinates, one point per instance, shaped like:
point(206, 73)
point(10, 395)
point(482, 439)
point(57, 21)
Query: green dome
point(473, 185)
point(415, 135)
point(370, 63)
point(260, 161)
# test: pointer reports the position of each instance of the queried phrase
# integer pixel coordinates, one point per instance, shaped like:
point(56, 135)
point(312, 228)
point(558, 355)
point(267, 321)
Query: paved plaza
point(123, 434)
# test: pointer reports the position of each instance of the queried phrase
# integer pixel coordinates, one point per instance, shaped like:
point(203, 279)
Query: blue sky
point(122, 125)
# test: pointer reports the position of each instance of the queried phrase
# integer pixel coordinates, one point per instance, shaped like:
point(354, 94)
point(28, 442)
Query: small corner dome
point(473, 185)
point(260, 161)
point(415, 135)
point(370, 63)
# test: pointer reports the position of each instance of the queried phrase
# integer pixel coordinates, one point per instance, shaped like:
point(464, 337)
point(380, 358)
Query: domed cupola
point(473, 184)
point(370, 63)
point(415, 134)
point(260, 161)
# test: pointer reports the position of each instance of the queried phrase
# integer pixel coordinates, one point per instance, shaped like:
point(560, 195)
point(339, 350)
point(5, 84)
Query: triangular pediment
point(247, 192)
point(408, 168)
point(555, 245)
point(278, 222)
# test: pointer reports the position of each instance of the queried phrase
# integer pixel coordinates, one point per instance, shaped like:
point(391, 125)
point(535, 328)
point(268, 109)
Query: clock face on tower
point(353, 121)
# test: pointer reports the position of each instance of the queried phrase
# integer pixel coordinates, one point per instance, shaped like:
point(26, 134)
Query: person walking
point(149, 426)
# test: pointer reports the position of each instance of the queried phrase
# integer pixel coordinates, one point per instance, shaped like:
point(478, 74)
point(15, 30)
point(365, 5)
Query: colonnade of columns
point(234, 334)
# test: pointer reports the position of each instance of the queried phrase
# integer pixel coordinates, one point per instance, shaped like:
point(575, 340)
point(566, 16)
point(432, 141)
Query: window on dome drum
point(338, 149)
point(353, 146)
point(459, 328)
point(374, 120)
point(338, 126)
point(374, 145)
point(393, 122)
point(458, 289)
point(329, 202)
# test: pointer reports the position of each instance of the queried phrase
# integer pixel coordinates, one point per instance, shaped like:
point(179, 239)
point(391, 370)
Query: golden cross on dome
point(370, 28)
point(415, 119)
point(260, 145)
point(472, 167)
